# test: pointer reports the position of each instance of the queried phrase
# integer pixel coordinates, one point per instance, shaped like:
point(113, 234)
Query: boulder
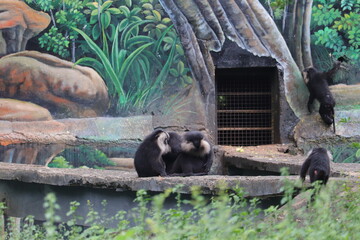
point(19, 23)
point(16, 110)
point(65, 89)
point(312, 132)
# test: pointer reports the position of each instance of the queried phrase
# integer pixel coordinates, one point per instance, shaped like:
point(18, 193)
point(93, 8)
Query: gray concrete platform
point(255, 186)
point(271, 158)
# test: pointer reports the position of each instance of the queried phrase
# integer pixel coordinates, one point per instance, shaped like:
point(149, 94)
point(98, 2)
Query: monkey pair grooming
point(194, 158)
point(318, 85)
point(170, 154)
point(318, 164)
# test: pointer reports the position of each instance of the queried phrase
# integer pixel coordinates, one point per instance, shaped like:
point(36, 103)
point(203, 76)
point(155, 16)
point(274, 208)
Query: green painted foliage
point(139, 49)
point(65, 14)
point(335, 25)
point(82, 156)
point(346, 154)
point(131, 44)
point(59, 162)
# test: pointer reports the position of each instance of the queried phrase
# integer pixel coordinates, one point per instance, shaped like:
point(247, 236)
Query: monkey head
point(195, 144)
point(309, 73)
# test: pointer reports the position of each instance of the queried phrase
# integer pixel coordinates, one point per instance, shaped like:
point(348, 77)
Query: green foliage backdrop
point(130, 43)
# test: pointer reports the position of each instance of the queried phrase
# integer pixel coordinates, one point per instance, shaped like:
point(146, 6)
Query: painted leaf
point(125, 10)
point(357, 153)
point(166, 20)
point(105, 5)
point(96, 32)
point(180, 67)
point(174, 72)
point(94, 12)
point(128, 3)
point(105, 19)
point(161, 26)
point(147, 6)
point(114, 11)
point(92, 5)
point(157, 15)
point(93, 19)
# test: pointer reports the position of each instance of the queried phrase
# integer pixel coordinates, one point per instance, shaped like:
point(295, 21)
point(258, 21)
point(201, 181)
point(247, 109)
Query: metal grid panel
point(244, 137)
point(244, 106)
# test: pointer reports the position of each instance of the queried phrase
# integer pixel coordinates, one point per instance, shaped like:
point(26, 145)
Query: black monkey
point(317, 83)
point(318, 164)
point(174, 142)
point(196, 156)
point(148, 157)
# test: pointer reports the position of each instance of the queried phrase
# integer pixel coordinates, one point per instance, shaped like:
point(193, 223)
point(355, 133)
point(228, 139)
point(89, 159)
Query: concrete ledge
point(269, 158)
point(128, 181)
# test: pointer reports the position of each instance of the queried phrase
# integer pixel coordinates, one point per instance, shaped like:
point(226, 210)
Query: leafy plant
point(85, 156)
point(345, 120)
point(65, 14)
point(346, 153)
point(59, 162)
point(100, 18)
point(131, 44)
point(357, 146)
point(226, 215)
point(336, 26)
point(114, 66)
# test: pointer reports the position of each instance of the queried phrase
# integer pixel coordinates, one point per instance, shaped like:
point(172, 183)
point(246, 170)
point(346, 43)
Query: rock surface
point(346, 95)
point(19, 23)
point(99, 130)
point(64, 89)
point(312, 132)
point(15, 110)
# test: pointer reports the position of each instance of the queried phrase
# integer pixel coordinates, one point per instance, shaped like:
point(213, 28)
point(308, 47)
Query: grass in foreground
point(334, 214)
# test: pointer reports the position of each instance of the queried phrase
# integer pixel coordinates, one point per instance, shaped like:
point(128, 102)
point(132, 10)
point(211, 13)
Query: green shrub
point(59, 162)
point(84, 156)
point(346, 153)
point(334, 214)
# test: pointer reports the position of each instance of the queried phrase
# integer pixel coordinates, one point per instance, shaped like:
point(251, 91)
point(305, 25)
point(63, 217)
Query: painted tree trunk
point(202, 25)
point(296, 31)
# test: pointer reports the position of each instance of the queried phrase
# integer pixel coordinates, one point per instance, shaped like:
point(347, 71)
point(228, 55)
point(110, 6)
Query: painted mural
point(86, 59)
point(82, 81)
point(131, 47)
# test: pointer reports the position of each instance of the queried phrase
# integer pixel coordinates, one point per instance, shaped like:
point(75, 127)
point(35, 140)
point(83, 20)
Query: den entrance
point(247, 108)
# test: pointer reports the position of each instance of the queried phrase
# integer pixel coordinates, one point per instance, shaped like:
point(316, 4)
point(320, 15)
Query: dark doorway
point(247, 106)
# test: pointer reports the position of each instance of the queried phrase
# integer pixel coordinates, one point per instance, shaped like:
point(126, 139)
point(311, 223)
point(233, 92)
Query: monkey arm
point(334, 69)
point(159, 166)
point(209, 162)
point(310, 102)
point(304, 168)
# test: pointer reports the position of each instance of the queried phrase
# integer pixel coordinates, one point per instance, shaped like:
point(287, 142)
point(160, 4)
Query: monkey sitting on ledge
point(195, 157)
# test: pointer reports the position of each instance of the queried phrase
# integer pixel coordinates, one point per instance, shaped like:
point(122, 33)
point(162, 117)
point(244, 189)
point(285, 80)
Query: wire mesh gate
point(244, 106)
